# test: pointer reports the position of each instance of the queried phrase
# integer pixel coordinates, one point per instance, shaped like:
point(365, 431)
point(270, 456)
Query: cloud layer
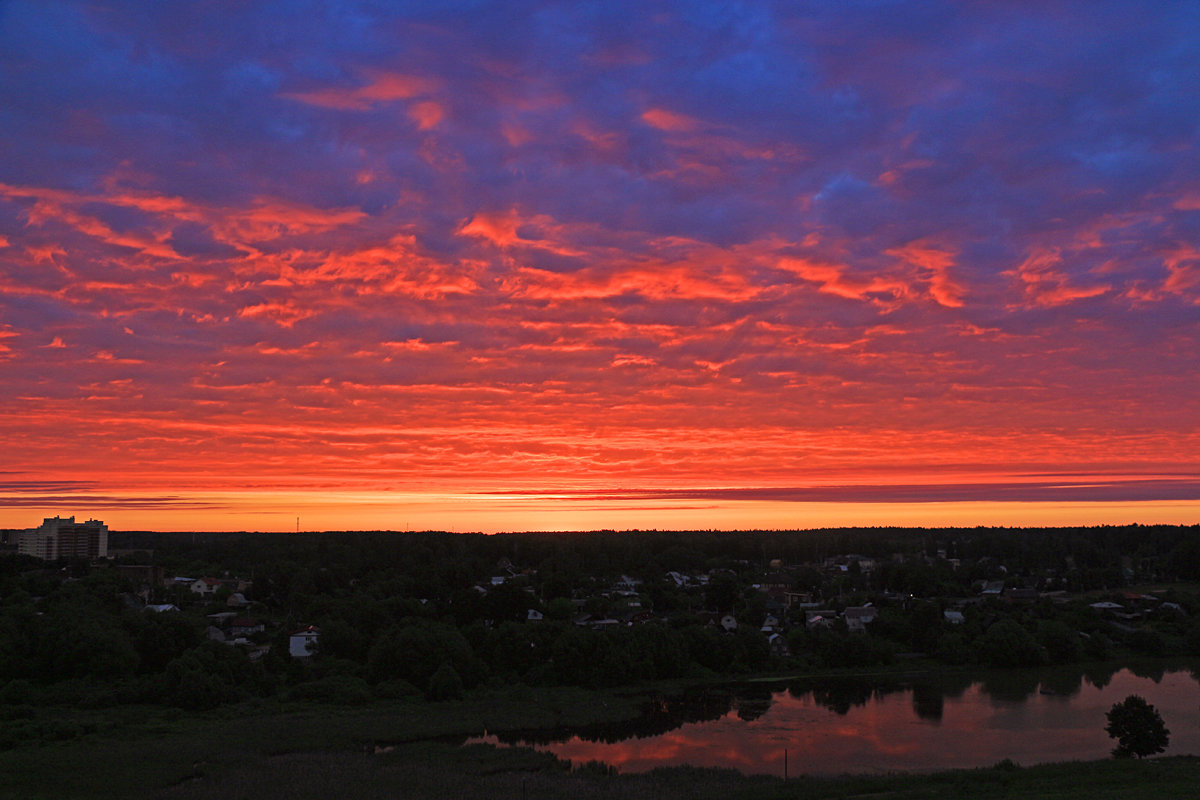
point(493, 246)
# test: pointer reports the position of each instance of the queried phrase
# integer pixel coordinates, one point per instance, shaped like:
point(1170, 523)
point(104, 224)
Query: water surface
point(855, 726)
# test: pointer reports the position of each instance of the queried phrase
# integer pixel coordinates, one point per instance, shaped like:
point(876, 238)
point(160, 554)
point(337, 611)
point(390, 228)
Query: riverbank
point(197, 763)
point(412, 749)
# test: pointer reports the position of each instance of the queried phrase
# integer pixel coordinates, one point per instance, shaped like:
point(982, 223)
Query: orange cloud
point(57, 206)
point(833, 279)
point(508, 229)
point(1046, 286)
point(1183, 271)
point(286, 314)
point(937, 263)
point(665, 120)
point(267, 218)
point(271, 218)
point(1189, 202)
point(602, 140)
point(427, 114)
point(385, 87)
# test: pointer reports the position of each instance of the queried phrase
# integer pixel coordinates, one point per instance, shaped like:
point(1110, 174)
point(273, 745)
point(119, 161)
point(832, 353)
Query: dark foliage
point(1137, 727)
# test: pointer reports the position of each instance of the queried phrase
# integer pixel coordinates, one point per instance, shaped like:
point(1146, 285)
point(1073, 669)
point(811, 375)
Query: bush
point(1147, 641)
point(340, 689)
point(445, 684)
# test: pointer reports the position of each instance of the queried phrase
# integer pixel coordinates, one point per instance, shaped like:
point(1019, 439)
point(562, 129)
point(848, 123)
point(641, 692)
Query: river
point(831, 727)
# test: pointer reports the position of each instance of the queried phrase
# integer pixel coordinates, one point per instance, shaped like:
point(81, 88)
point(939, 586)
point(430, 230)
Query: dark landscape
point(286, 665)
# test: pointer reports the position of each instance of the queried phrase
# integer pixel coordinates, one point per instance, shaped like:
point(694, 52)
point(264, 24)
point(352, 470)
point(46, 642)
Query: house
point(303, 643)
point(778, 644)
point(237, 600)
point(533, 615)
point(159, 608)
point(858, 617)
point(819, 618)
point(205, 586)
point(800, 598)
point(953, 617)
point(1108, 606)
point(626, 585)
point(244, 626)
point(775, 581)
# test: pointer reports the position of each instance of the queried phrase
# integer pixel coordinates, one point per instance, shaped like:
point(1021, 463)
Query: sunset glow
point(530, 265)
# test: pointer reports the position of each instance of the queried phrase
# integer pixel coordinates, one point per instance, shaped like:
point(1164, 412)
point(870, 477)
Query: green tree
point(1007, 644)
point(1063, 645)
point(444, 684)
point(1137, 727)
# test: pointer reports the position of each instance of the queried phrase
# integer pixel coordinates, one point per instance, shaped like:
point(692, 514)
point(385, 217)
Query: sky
point(564, 265)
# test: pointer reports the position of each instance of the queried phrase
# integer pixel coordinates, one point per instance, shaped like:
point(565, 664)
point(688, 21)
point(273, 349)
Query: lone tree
point(1137, 727)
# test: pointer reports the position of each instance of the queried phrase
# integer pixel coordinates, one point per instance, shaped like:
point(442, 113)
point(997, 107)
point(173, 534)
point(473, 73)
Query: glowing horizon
point(490, 263)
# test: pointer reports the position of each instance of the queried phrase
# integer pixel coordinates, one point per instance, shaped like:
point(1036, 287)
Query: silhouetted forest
point(431, 616)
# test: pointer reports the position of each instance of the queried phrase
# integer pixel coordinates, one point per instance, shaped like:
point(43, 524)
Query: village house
point(244, 626)
point(303, 643)
point(205, 586)
point(819, 618)
point(859, 617)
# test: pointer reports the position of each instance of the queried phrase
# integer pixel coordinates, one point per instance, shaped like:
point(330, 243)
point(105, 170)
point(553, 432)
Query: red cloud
point(1045, 285)
point(937, 263)
point(665, 120)
point(384, 87)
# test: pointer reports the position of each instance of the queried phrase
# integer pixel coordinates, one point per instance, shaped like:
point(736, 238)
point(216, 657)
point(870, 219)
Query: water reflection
point(928, 702)
point(891, 724)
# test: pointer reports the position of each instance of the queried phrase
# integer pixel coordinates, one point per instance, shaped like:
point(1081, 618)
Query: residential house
point(159, 608)
point(859, 617)
point(777, 642)
point(303, 643)
point(244, 626)
point(819, 618)
point(205, 586)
